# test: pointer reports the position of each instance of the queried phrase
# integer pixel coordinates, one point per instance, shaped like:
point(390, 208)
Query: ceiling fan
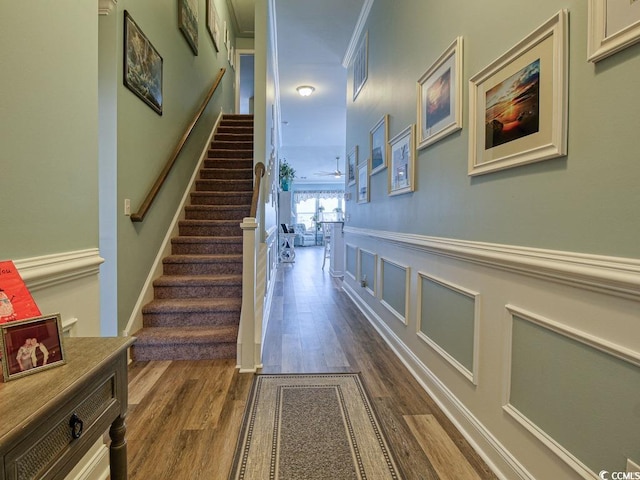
point(337, 173)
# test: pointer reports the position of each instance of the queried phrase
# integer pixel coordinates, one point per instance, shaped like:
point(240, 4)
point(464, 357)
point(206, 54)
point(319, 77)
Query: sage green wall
point(448, 318)
point(146, 140)
point(49, 134)
point(585, 202)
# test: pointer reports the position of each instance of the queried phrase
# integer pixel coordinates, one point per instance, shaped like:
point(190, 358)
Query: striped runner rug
point(311, 427)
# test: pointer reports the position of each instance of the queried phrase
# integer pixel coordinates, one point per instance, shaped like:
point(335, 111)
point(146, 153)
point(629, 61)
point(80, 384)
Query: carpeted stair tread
point(206, 239)
point(193, 305)
point(220, 258)
point(195, 221)
point(187, 335)
point(197, 280)
point(227, 198)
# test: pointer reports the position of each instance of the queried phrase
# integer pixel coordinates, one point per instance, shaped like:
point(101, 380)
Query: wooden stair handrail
point(151, 196)
point(259, 170)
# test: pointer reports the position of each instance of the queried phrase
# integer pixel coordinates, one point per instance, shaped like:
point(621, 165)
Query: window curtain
point(302, 195)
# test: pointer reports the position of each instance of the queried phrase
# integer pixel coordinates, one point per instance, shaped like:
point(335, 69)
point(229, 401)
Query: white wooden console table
point(50, 419)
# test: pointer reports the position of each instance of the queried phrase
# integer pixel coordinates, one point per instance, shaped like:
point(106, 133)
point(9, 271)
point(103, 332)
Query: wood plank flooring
point(184, 416)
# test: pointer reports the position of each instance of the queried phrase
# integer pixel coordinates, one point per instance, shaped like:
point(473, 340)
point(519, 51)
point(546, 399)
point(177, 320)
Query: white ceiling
point(312, 39)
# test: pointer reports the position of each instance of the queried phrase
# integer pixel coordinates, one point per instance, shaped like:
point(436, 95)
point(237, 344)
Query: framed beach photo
point(440, 97)
point(379, 145)
point(213, 24)
point(142, 72)
point(29, 346)
point(613, 26)
point(401, 172)
point(352, 161)
point(518, 104)
point(188, 22)
point(363, 183)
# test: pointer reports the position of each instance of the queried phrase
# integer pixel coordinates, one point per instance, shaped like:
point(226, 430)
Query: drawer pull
point(76, 426)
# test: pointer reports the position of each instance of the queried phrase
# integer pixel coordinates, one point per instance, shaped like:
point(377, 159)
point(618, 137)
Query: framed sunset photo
point(440, 97)
point(518, 104)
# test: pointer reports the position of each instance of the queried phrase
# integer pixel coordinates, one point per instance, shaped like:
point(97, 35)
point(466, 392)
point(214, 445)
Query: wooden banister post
point(246, 356)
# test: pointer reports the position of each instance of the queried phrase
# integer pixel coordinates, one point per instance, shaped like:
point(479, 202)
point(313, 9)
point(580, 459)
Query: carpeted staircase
point(196, 308)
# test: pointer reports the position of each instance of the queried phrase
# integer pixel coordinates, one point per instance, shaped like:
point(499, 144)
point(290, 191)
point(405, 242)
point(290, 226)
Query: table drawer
point(53, 444)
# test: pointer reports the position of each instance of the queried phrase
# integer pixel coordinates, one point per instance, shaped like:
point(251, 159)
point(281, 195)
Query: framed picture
point(213, 25)
point(188, 22)
point(226, 35)
point(518, 104)
point(440, 97)
point(352, 161)
point(613, 26)
point(361, 65)
point(142, 65)
point(401, 172)
point(379, 145)
point(32, 345)
point(363, 183)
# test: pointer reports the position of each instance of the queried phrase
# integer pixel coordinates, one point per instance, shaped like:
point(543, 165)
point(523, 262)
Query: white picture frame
point(363, 183)
point(518, 103)
point(440, 96)
point(613, 26)
point(402, 161)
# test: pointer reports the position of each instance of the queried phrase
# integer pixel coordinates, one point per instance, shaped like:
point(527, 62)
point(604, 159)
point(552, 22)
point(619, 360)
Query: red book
point(16, 303)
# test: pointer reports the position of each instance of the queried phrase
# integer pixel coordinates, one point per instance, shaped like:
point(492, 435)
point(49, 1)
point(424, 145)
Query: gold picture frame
point(518, 104)
point(379, 145)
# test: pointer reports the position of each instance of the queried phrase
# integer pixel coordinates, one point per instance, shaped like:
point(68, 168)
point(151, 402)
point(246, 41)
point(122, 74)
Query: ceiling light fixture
point(305, 90)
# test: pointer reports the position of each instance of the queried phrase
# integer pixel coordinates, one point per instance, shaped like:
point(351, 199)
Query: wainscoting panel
point(457, 322)
point(394, 288)
point(561, 378)
point(351, 253)
point(368, 262)
point(448, 322)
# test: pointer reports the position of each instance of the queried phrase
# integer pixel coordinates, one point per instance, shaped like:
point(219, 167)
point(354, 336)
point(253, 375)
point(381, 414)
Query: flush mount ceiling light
point(305, 90)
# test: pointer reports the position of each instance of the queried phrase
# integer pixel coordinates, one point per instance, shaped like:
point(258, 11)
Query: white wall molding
point(612, 275)
point(106, 6)
point(497, 457)
point(50, 270)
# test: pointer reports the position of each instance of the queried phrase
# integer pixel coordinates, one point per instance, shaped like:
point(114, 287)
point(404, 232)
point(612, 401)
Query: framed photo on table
point(401, 172)
point(363, 183)
point(613, 26)
point(378, 145)
point(440, 97)
point(518, 104)
point(29, 346)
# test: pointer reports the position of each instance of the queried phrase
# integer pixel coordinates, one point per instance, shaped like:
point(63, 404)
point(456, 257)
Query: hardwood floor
point(184, 416)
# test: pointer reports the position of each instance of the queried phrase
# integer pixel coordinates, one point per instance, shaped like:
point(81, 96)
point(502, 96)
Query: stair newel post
point(246, 335)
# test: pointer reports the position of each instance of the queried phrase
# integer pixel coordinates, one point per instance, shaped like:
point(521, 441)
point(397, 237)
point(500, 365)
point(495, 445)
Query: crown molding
point(106, 6)
point(357, 31)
